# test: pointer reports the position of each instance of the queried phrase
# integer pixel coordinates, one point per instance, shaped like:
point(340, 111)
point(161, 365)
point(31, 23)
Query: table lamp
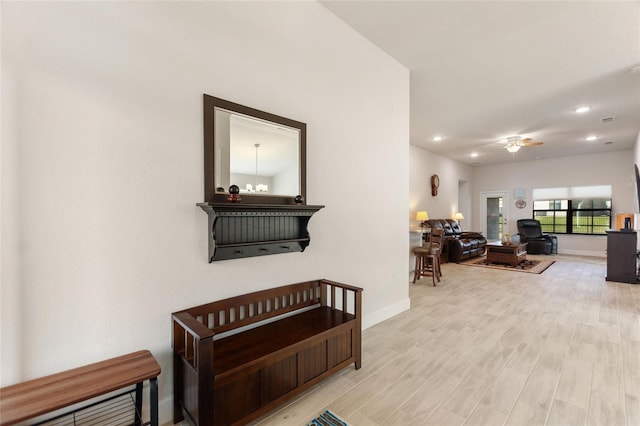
point(422, 217)
point(458, 216)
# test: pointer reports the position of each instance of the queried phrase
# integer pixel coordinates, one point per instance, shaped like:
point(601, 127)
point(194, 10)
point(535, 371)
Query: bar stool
point(428, 258)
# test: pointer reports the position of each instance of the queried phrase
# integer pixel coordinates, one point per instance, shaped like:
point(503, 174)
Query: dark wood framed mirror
point(262, 153)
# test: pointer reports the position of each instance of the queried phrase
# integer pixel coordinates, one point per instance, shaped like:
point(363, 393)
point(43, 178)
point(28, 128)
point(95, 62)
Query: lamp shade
point(458, 216)
point(422, 216)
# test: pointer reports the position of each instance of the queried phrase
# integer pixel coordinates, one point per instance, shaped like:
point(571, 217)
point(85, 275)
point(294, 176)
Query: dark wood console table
point(26, 400)
point(621, 256)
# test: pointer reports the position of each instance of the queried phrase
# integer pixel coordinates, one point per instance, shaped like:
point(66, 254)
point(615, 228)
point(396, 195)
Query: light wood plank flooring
point(489, 347)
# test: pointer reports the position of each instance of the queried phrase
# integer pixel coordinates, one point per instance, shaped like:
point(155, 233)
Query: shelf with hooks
point(246, 230)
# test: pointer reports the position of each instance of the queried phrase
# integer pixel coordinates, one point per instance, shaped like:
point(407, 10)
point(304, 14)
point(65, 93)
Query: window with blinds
point(573, 210)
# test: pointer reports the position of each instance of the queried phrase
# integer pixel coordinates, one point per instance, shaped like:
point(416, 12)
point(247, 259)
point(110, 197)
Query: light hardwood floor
point(489, 347)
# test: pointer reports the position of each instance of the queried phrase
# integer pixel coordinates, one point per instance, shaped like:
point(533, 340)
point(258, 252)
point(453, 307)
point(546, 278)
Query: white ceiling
point(484, 71)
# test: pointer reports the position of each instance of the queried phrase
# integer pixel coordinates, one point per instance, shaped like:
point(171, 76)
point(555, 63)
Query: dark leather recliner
point(530, 232)
point(459, 245)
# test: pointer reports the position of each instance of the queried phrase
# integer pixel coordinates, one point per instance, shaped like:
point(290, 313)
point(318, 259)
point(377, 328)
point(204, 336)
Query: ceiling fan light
point(513, 148)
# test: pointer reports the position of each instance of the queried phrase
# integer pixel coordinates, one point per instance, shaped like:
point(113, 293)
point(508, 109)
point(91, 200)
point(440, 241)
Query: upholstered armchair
point(530, 232)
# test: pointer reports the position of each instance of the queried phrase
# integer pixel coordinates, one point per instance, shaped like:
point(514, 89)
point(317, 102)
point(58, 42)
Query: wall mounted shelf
point(246, 230)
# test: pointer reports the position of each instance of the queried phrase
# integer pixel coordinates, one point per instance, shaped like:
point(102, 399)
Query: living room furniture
point(415, 240)
point(530, 232)
point(422, 216)
point(622, 257)
point(26, 400)
point(511, 254)
point(428, 258)
point(459, 217)
point(232, 366)
point(458, 245)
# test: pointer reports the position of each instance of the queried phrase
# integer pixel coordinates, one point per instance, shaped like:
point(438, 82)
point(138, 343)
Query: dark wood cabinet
point(621, 257)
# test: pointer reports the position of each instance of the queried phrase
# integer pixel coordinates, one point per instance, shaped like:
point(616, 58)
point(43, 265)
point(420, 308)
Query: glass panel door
point(494, 214)
point(494, 218)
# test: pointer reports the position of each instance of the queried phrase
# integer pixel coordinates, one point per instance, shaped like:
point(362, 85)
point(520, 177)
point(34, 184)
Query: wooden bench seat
point(221, 378)
point(252, 346)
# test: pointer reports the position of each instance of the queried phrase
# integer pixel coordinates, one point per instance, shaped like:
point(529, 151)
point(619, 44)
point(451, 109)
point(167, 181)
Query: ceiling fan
point(514, 143)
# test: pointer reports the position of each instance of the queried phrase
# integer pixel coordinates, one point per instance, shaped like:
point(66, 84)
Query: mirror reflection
point(259, 156)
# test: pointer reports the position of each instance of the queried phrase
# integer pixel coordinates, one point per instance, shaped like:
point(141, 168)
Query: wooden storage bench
point(26, 400)
point(238, 358)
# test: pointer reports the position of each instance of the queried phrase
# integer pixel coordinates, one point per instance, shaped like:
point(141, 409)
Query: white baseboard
point(385, 313)
point(583, 253)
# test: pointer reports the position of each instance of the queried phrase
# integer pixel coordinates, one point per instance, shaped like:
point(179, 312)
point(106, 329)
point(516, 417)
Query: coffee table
point(511, 254)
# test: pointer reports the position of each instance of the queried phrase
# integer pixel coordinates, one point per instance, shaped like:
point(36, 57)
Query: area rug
point(327, 419)
point(532, 266)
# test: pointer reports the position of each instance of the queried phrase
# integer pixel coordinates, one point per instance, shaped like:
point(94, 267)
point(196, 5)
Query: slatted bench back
point(240, 311)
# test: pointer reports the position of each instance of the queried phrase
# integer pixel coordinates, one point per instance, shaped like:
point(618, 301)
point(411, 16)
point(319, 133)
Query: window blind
point(593, 192)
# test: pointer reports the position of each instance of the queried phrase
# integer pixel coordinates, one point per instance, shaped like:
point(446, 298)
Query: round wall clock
point(521, 204)
point(435, 183)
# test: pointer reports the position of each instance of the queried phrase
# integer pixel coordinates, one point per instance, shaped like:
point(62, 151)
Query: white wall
point(102, 157)
point(614, 168)
point(423, 165)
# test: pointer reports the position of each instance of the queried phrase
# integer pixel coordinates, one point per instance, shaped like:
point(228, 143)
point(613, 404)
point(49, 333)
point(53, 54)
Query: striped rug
point(327, 419)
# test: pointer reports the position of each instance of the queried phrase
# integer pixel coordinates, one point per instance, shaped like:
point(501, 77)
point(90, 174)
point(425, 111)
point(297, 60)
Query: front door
point(495, 214)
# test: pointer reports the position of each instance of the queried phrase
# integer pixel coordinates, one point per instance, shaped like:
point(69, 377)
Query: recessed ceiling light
point(591, 138)
point(582, 109)
point(474, 154)
point(437, 138)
